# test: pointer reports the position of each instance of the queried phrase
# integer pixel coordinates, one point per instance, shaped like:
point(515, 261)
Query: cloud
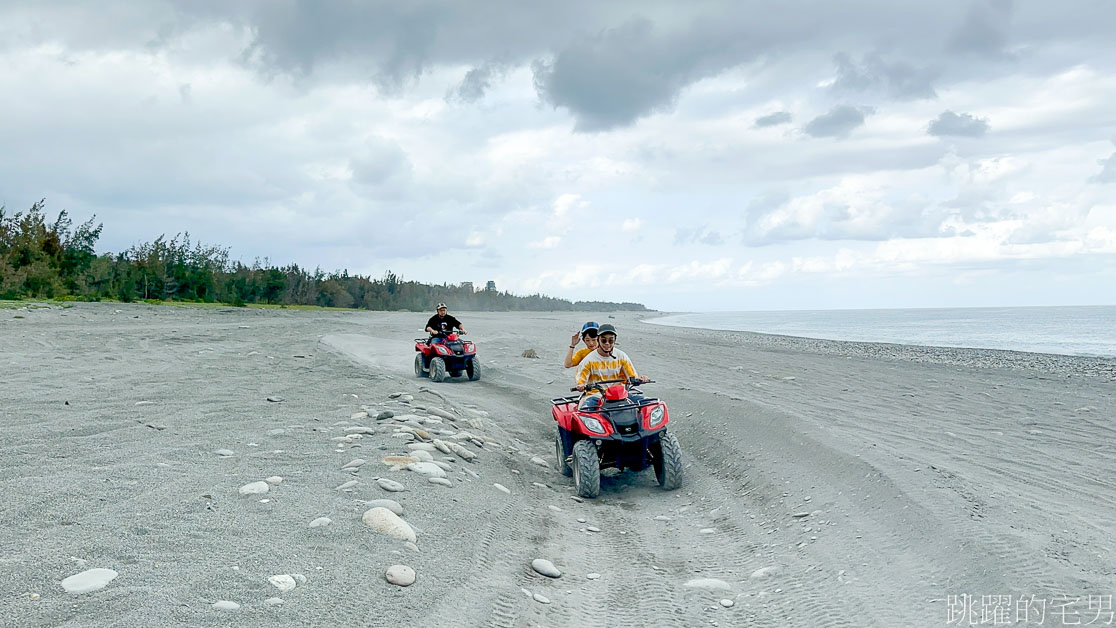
point(621, 74)
point(699, 235)
point(897, 79)
point(477, 82)
point(631, 225)
point(984, 30)
point(953, 124)
point(837, 122)
point(1108, 170)
point(773, 119)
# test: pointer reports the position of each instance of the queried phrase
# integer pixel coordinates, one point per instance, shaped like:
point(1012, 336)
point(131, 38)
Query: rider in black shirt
point(442, 322)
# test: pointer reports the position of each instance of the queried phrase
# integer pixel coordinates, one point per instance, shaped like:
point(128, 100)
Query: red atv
point(446, 354)
point(627, 431)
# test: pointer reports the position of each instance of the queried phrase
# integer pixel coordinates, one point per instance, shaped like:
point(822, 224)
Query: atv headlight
point(657, 414)
point(593, 425)
point(442, 349)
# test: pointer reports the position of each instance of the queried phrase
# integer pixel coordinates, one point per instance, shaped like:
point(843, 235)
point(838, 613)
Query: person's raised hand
point(574, 339)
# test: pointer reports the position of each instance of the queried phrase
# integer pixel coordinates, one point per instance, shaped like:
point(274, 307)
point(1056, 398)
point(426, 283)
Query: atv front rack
point(610, 406)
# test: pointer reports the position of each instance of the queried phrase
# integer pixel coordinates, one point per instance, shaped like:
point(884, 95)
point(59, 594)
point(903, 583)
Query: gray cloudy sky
point(710, 155)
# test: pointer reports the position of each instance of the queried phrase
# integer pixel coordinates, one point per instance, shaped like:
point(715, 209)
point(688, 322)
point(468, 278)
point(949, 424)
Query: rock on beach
point(387, 522)
point(400, 575)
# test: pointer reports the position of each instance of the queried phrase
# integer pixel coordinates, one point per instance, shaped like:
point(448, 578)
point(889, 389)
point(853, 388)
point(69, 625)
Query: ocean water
point(1076, 330)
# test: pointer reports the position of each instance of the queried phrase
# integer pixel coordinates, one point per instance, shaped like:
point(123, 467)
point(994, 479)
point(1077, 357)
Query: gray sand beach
point(826, 483)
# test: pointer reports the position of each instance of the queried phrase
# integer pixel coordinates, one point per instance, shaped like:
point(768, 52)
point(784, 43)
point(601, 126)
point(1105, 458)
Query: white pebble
point(546, 568)
point(88, 580)
point(225, 452)
point(441, 481)
point(390, 485)
point(709, 583)
point(387, 522)
point(355, 463)
point(592, 576)
point(349, 484)
point(541, 599)
point(283, 582)
point(255, 488)
point(503, 488)
point(273, 601)
point(401, 575)
point(727, 603)
point(275, 479)
point(320, 521)
point(225, 605)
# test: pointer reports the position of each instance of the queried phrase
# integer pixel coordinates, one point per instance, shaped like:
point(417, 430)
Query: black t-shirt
point(436, 321)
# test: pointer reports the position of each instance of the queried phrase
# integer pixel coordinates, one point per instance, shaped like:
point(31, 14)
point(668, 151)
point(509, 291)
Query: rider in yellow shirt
point(589, 335)
point(603, 364)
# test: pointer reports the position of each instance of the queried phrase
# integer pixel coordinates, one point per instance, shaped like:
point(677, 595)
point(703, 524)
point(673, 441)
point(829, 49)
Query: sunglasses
point(606, 340)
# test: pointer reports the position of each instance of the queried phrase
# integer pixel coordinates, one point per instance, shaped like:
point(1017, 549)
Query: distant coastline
point(1086, 331)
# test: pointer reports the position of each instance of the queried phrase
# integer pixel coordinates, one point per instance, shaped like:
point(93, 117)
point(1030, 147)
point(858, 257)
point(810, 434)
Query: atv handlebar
point(630, 381)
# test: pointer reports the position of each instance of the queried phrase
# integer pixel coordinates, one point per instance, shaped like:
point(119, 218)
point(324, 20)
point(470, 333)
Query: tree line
point(56, 260)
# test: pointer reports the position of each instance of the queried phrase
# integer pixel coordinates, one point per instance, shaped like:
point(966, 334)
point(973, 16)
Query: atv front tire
point(473, 369)
point(668, 462)
point(562, 452)
point(586, 469)
point(437, 369)
point(419, 370)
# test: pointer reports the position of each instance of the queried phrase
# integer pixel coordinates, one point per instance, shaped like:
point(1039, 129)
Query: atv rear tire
point(473, 369)
point(419, 370)
point(586, 469)
point(437, 369)
point(562, 452)
point(668, 462)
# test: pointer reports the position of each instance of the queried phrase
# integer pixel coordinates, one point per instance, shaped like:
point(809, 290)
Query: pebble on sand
point(764, 572)
point(539, 461)
point(390, 504)
point(441, 481)
point(88, 581)
point(387, 522)
point(225, 452)
point(592, 576)
point(546, 568)
point(255, 488)
point(275, 399)
point(727, 603)
point(390, 485)
point(349, 484)
point(541, 599)
point(283, 582)
point(225, 605)
point(320, 521)
point(501, 487)
point(355, 464)
point(275, 479)
point(273, 601)
point(427, 468)
point(709, 583)
point(401, 575)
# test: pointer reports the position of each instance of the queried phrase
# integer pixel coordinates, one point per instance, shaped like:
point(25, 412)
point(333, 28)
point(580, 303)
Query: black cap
point(607, 328)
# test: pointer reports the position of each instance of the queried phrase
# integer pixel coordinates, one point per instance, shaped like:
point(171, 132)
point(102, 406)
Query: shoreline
point(1052, 363)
